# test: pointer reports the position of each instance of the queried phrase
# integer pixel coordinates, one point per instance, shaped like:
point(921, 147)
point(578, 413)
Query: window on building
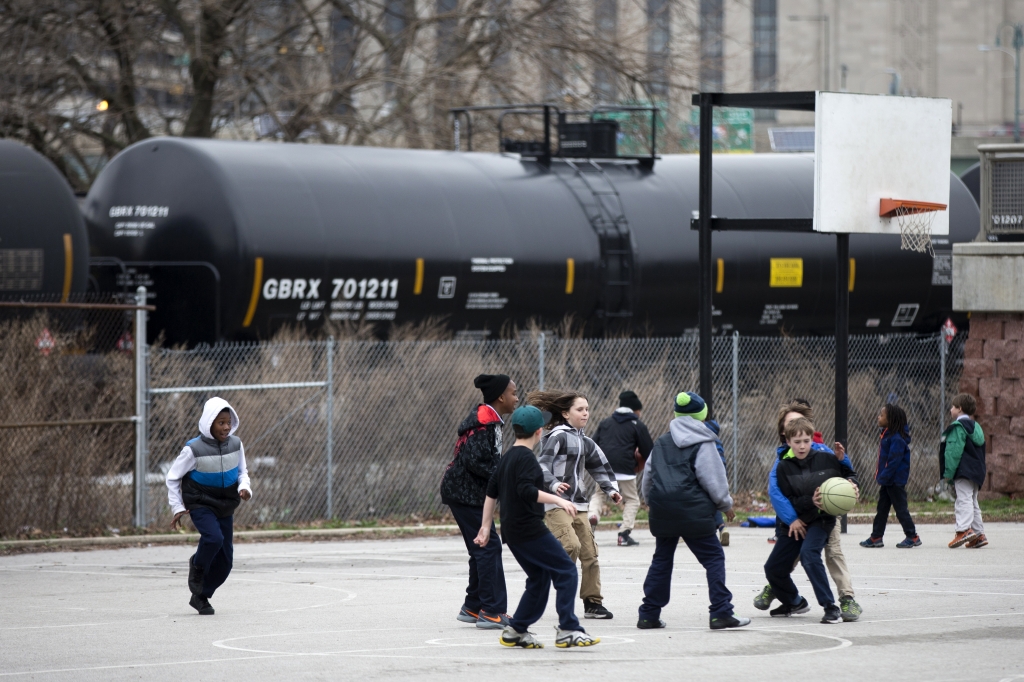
point(395, 21)
point(606, 19)
point(659, 36)
point(343, 51)
point(447, 25)
point(712, 66)
point(765, 39)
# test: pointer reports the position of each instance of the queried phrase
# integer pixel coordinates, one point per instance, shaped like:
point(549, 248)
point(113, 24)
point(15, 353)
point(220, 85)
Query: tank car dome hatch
point(269, 234)
point(44, 250)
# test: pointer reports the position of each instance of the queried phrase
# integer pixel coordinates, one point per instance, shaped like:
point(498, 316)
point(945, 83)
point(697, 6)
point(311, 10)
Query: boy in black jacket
point(463, 489)
point(801, 471)
point(621, 436)
point(518, 482)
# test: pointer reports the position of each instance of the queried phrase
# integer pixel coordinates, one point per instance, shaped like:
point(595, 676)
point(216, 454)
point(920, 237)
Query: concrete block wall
point(994, 374)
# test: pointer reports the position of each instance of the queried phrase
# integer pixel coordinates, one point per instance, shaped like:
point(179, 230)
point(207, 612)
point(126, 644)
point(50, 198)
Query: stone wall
point(994, 374)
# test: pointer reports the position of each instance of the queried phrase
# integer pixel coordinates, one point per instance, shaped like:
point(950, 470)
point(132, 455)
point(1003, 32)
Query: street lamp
point(824, 19)
point(1018, 42)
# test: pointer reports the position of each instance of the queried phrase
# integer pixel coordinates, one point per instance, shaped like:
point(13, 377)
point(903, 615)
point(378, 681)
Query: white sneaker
point(723, 535)
point(526, 640)
point(568, 638)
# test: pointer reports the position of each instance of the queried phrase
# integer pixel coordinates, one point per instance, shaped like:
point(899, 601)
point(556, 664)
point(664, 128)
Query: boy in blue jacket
point(891, 474)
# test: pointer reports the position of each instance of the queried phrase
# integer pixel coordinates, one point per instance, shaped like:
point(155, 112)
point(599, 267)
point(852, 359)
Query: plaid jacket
point(565, 454)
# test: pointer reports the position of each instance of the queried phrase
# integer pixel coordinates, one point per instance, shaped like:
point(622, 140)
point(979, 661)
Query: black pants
point(658, 584)
point(486, 589)
point(779, 567)
point(892, 496)
point(215, 554)
point(545, 563)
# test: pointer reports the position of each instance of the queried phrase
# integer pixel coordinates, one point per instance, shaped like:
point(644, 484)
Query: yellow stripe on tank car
point(720, 282)
point(570, 274)
point(417, 285)
point(69, 268)
point(257, 282)
point(853, 272)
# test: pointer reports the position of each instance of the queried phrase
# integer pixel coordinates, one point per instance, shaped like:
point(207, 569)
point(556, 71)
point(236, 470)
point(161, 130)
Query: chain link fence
point(362, 430)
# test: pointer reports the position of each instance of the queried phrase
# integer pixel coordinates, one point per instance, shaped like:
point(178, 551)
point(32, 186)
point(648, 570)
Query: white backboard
point(870, 147)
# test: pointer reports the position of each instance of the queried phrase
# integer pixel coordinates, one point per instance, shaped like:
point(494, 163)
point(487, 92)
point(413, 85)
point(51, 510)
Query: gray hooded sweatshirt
point(708, 467)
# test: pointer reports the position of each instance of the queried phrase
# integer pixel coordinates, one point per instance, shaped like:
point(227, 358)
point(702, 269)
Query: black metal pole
point(842, 340)
point(546, 156)
point(704, 285)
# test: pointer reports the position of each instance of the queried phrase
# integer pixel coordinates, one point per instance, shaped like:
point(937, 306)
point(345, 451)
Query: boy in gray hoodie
point(685, 484)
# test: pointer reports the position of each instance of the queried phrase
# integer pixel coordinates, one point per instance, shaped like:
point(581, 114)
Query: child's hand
point(798, 530)
point(483, 537)
point(840, 451)
point(817, 498)
point(731, 515)
point(244, 494)
point(176, 521)
point(568, 506)
point(561, 488)
point(616, 498)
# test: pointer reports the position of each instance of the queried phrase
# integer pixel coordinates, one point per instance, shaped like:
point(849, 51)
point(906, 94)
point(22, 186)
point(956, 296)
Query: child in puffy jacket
point(891, 474)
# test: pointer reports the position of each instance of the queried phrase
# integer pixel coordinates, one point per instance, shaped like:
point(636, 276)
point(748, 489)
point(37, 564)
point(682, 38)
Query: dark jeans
point(215, 554)
point(892, 496)
point(545, 562)
point(486, 589)
point(779, 567)
point(658, 584)
point(719, 520)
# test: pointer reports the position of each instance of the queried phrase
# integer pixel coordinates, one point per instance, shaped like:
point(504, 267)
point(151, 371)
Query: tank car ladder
point(603, 206)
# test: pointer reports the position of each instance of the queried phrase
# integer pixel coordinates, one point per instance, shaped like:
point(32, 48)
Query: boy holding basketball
point(801, 471)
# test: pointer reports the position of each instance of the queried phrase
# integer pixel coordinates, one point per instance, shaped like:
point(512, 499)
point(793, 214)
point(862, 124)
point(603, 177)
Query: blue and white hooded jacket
point(783, 507)
point(210, 472)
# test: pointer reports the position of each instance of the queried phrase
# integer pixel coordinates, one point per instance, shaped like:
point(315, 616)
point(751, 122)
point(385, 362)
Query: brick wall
point(994, 374)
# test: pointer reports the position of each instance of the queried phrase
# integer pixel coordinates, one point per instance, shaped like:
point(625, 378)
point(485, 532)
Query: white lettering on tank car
point(364, 288)
point(292, 288)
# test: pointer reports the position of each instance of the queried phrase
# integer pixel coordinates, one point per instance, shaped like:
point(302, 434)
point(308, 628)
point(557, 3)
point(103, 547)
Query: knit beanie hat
point(690, 405)
point(492, 385)
point(630, 400)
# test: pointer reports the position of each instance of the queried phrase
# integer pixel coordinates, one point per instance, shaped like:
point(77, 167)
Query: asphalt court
point(385, 609)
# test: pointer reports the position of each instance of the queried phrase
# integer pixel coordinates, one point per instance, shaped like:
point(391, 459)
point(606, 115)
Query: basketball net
point(915, 229)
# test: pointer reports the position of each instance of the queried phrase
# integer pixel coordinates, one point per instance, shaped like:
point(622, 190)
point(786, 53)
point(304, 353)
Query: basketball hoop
point(915, 220)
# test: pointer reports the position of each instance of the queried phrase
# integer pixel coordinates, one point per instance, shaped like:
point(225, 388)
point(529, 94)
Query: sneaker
point(962, 537)
point(872, 542)
point(772, 540)
point(763, 601)
point(569, 638)
point(195, 577)
point(593, 523)
point(832, 614)
point(467, 616)
point(626, 540)
point(912, 542)
point(723, 536)
point(492, 621)
point(787, 610)
point(728, 622)
point(526, 640)
point(201, 604)
point(850, 609)
point(593, 609)
point(645, 624)
point(978, 542)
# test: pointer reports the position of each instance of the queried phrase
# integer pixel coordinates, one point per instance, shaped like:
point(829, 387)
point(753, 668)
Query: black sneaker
point(593, 609)
point(195, 577)
point(201, 604)
point(645, 624)
point(626, 540)
point(787, 610)
point(728, 622)
point(832, 614)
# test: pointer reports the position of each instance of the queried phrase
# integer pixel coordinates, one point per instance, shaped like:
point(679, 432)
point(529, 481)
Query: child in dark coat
point(891, 474)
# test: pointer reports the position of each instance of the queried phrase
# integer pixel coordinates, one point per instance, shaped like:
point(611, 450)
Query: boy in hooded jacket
point(208, 481)
point(464, 489)
point(962, 463)
point(891, 474)
point(684, 485)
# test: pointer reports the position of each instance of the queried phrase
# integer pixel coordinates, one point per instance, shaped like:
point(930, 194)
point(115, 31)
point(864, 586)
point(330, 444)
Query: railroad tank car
point(238, 238)
point(44, 248)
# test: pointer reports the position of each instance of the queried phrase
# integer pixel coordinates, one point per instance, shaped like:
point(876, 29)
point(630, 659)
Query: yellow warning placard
point(787, 272)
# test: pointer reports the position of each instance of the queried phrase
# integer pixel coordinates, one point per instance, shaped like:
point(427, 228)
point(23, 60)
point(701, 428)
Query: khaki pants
point(630, 499)
point(835, 561)
point(968, 513)
point(578, 540)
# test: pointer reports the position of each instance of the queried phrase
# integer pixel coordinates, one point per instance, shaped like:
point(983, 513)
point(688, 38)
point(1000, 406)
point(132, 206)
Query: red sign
point(45, 342)
point(125, 343)
point(948, 330)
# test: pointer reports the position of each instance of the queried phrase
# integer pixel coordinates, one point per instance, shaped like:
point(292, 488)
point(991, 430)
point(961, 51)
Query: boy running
point(962, 463)
point(518, 483)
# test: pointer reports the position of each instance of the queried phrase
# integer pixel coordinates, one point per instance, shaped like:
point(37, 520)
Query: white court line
point(85, 625)
point(134, 665)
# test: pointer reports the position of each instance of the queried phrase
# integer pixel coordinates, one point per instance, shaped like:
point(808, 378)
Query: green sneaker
point(850, 609)
point(763, 601)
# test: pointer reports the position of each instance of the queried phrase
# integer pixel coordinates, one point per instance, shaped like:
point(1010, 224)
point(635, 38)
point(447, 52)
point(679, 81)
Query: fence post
point(330, 427)
point(540, 361)
point(942, 384)
point(735, 407)
point(141, 410)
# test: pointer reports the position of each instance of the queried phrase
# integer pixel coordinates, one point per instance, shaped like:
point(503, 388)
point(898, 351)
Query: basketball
point(837, 496)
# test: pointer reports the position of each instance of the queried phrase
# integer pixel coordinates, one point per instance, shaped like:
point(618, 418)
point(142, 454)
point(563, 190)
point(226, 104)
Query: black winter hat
point(630, 400)
point(492, 385)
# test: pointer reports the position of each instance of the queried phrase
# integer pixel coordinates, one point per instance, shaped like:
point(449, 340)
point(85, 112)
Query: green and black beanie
point(690, 405)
